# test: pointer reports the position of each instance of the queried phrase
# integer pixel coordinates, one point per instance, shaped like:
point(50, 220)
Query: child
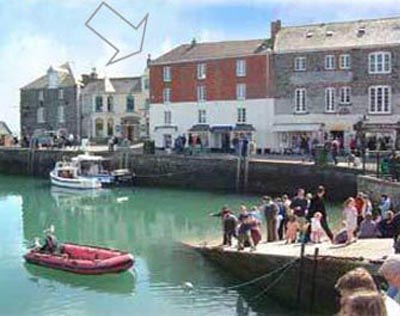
point(316, 228)
point(292, 228)
point(341, 237)
point(350, 216)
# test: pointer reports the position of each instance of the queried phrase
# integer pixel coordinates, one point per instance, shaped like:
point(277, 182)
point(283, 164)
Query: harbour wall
point(225, 173)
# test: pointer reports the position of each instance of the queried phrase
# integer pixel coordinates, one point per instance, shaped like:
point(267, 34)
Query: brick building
point(332, 76)
point(114, 107)
point(214, 91)
point(50, 103)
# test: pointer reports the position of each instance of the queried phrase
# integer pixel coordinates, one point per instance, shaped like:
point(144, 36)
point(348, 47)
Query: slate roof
point(120, 85)
point(214, 50)
point(339, 35)
point(4, 130)
point(65, 76)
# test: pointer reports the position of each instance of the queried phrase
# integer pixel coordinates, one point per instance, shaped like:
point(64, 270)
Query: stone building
point(50, 103)
point(114, 107)
point(213, 92)
point(332, 76)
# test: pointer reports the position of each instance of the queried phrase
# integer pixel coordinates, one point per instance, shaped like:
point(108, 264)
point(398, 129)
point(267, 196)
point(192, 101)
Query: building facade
point(50, 103)
point(332, 77)
point(115, 107)
point(214, 92)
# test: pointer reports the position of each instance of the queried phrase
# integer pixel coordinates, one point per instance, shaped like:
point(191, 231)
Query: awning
point(300, 127)
point(244, 128)
point(221, 128)
point(200, 128)
point(174, 127)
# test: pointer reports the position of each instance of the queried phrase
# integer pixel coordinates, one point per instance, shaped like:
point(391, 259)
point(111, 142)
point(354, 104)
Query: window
point(40, 115)
point(146, 83)
point(99, 104)
point(241, 91)
point(380, 99)
point(300, 100)
point(345, 61)
point(167, 74)
point(380, 63)
point(330, 99)
point(60, 114)
point(241, 115)
point(167, 95)
point(41, 95)
point(60, 94)
point(330, 62)
point(300, 64)
point(130, 103)
point(99, 126)
point(110, 127)
point(240, 68)
point(345, 95)
point(167, 117)
point(201, 71)
point(110, 103)
point(202, 117)
point(201, 93)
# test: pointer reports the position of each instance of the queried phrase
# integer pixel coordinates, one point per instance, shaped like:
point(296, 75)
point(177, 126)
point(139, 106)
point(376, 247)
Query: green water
point(148, 225)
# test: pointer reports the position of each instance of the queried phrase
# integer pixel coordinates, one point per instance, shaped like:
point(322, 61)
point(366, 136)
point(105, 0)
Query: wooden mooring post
point(314, 280)
point(301, 274)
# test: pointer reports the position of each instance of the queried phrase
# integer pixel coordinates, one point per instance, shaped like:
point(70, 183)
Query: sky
point(35, 34)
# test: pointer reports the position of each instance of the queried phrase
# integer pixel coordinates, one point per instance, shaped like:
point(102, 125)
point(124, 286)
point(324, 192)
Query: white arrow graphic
point(142, 24)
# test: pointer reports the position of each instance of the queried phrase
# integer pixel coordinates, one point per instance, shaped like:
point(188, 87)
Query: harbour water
point(147, 222)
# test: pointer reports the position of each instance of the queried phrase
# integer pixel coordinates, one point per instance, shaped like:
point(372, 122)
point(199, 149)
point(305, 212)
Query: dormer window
point(309, 34)
point(361, 31)
point(329, 33)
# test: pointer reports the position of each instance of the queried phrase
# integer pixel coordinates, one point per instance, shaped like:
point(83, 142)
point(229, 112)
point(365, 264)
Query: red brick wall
point(220, 82)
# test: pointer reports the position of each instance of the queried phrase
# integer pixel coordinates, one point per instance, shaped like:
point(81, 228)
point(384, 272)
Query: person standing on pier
point(299, 207)
point(271, 213)
point(318, 205)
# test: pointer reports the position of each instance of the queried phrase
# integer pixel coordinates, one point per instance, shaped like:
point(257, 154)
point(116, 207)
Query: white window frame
point(300, 100)
point(241, 115)
point(241, 66)
point(380, 63)
point(167, 95)
point(345, 95)
point(167, 74)
point(201, 71)
point(202, 116)
point(374, 99)
point(201, 93)
point(41, 95)
point(167, 117)
point(40, 115)
point(241, 91)
point(330, 100)
point(61, 114)
point(61, 94)
point(300, 63)
point(330, 62)
point(345, 61)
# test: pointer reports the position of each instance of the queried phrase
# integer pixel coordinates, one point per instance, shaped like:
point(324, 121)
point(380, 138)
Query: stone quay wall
point(376, 187)
point(225, 173)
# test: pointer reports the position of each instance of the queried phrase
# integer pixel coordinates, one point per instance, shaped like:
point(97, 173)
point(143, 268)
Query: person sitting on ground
point(341, 237)
point(350, 216)
point(368, 228)
point(385, 226)
point(245, 233)
point(363, 303)
point(359, 280)
point(316, 228)
point(292, 227)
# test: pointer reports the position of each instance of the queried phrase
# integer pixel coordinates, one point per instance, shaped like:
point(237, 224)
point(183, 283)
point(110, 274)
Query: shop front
point(200, 135)
point(221, 138)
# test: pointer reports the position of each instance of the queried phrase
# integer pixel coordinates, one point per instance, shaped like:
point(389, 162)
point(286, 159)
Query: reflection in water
point(148, 224)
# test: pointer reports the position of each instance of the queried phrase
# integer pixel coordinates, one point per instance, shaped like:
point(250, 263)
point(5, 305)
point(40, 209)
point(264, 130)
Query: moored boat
point(83, 259)
point(65, 174)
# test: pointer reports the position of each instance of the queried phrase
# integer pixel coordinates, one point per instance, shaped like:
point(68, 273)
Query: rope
point(272, 284)
point(284, 267)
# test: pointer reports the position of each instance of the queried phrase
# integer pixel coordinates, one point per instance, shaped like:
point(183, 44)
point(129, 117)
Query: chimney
point(93, 75)
point(148, 60)
point(193, 43)
point(275, 28)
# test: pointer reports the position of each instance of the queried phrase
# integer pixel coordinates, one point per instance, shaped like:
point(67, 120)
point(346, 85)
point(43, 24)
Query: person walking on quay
point(318, 205)
point(270, 213)
point(299, 208)
point(350, 217)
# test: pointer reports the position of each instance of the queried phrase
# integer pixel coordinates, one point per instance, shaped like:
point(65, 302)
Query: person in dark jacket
point(318, 205)
point(230, 223)
point(270, 213)
point(299, 206)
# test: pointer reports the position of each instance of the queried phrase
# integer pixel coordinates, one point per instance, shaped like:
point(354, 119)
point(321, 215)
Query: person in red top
point(360, 206)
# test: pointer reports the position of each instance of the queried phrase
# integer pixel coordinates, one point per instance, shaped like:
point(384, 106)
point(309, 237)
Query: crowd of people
point(304, 218)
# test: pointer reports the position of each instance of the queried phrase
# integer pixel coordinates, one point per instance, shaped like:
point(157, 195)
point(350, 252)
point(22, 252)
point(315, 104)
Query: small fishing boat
point(82, 259)
point(66, 174)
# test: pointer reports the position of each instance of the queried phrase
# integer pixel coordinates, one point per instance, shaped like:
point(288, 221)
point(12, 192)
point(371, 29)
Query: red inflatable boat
point(83, 259)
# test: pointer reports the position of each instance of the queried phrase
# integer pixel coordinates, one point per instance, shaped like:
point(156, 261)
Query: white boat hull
point(75, 183)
